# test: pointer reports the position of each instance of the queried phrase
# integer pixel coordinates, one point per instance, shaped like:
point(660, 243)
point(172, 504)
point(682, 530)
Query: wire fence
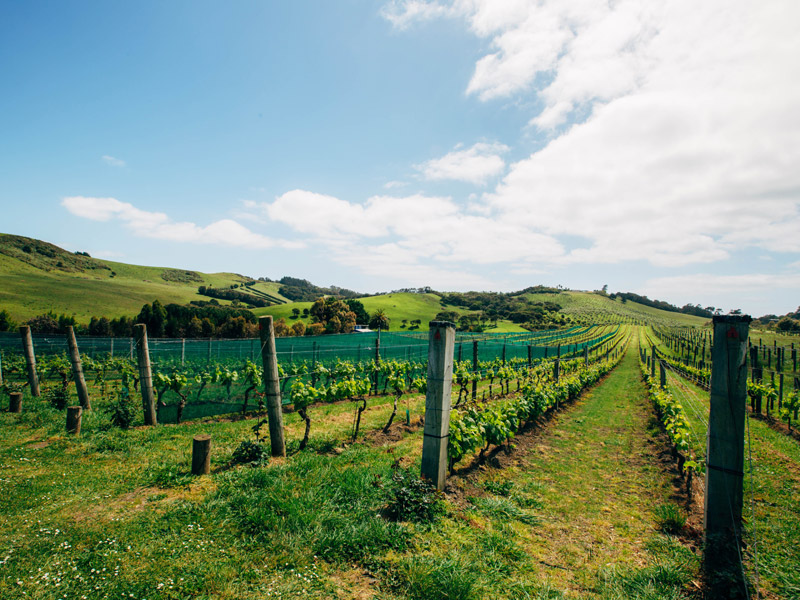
point(352, 347)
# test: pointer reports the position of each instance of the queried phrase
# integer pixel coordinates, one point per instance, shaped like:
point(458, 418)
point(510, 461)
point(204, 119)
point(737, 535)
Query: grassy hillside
point(397, 306)
point(37, 277)
point(591, 307)
point(49, 278)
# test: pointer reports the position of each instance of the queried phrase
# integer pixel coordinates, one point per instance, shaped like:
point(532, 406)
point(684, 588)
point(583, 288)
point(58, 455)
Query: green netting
point(192, 355)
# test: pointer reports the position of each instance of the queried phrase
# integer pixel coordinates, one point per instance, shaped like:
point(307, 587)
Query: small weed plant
point(499, 488)
point(670, 518)
point(248, 452)
point(413, 499)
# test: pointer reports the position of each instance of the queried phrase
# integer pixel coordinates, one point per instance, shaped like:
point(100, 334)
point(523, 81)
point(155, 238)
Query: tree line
point(201, 319)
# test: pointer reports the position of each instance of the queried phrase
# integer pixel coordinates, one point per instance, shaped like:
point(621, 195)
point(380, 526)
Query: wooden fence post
point(474, 368)
point(441, 343)
point(556, 369)
point(15, 402)
point(272, 386)
point(30, 359)
point(145, 374)
point(77, 369)
point(662, 371)
point(201, 454)
point(725, 454)
point(74, 414)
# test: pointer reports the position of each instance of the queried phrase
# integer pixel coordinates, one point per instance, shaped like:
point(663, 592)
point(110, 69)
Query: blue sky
point(469, 144)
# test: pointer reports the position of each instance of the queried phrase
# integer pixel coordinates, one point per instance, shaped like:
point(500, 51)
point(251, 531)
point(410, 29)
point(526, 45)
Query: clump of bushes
point(249, 452)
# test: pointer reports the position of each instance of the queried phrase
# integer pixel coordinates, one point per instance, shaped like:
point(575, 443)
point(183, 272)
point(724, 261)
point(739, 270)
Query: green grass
point(26, 291)
point(771, 508)
point(595, 308)
point(114, 513)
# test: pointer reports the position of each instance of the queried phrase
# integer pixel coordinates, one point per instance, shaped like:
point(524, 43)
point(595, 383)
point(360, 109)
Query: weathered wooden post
point(377, 359)
point(272, 386)
point(77, 369)
point(183, 351)
point(474, 368)
point(15, 402)
point(586, 355)
point(313, 362)
point(201, 454)
point(556, 369)
point(208, 358)
point(725, 454)
point(145, 374)
point(74, 414)
point(663, 374)
point(441, 343)
point(530, 356)
point(30, 359)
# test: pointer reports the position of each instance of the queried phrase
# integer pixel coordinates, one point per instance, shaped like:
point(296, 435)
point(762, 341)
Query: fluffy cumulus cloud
point(671, 129)
point(225, 232)
point(474, 165)
point(414, 234)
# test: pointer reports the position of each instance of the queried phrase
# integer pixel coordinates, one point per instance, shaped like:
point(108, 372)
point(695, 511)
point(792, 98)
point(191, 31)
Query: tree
point(6, 323)
point(295, 313)
point(281, 329)
point(44, 324)
point(379, 320)
point(100, 327)
point(447, 315)
point(299, 328)
point(315, 329)
point(362, 317)
point(334, 315)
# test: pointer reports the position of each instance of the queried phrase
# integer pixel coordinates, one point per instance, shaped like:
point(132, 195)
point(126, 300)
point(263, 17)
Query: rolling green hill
point(37, 277)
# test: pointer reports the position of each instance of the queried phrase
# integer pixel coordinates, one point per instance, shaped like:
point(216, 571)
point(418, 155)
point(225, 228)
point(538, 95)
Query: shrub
point(250, 453)
point(413, 499)
point(57, 396)
point(122, 409)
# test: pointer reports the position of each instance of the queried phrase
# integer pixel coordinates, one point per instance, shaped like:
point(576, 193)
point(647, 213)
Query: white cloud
point(404, 13)
point(410, 235)
point(225, 232)
point(474, 165)
point(391, 185)
point(683, 135)
point(113, 162)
